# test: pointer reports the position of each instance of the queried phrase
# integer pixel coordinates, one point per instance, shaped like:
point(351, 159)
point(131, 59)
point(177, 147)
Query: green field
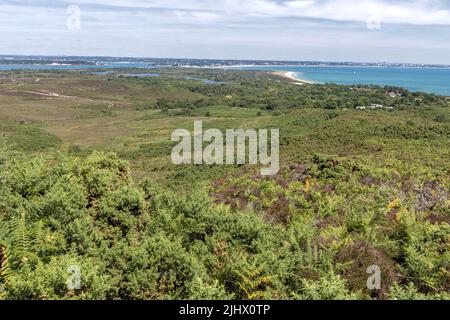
point(86, 179)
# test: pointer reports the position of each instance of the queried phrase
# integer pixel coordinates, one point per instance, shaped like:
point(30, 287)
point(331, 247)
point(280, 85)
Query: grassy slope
point(104, 112)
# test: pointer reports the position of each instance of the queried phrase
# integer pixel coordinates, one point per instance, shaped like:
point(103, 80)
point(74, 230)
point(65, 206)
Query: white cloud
point(415, 12)
point(415, 30)
point(299, 3)
point(196, 16)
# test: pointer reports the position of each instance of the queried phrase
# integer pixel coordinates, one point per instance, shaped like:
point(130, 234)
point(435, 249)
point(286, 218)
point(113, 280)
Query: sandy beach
point(291, 76)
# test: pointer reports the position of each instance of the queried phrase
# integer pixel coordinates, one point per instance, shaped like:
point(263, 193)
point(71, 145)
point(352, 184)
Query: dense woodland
point(357, 188)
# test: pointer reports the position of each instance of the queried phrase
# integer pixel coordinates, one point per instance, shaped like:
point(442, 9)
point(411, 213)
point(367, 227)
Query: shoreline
point(292, 76)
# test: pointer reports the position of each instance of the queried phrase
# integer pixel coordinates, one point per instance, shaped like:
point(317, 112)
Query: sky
point(414, 31)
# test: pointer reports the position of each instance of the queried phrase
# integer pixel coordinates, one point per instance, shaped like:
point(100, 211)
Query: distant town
point(164, 62)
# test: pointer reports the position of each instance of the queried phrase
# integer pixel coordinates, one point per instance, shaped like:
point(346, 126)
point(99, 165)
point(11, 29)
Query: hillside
point(86, 180)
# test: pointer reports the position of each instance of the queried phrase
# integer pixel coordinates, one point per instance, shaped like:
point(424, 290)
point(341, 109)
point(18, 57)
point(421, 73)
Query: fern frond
point(20, 239)
point(252, 282)
point(5, 270)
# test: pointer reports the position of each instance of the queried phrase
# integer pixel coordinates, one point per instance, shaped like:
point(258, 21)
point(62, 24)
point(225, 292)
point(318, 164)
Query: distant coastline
point(428, 80)
point(201, 62)
point(416, 78)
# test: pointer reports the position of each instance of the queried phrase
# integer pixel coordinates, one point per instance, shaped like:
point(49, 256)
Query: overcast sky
point(416, 31)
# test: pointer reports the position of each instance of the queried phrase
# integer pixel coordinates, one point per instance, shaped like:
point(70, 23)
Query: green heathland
point(86, 180)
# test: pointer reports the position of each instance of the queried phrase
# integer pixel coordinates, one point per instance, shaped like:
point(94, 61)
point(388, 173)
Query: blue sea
point(430, 80)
